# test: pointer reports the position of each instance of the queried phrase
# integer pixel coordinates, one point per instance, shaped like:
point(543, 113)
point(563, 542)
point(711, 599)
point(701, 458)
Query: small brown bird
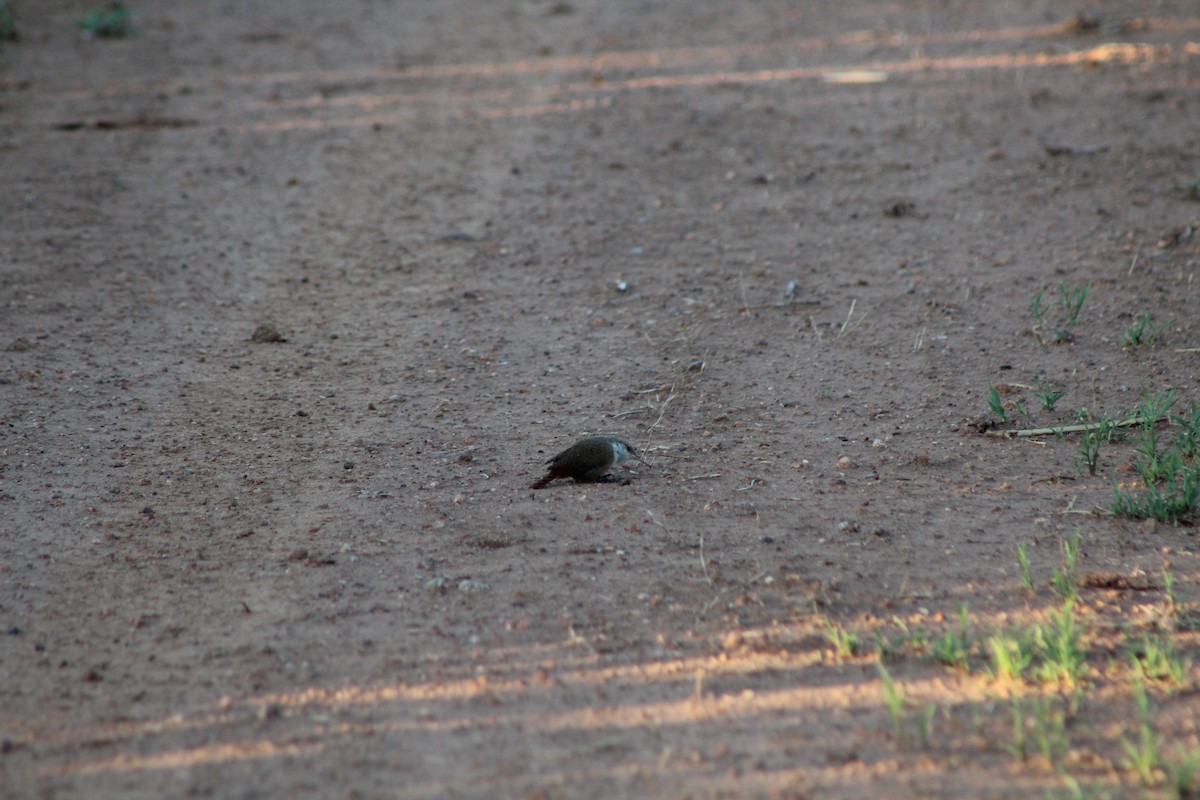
point(589, 459)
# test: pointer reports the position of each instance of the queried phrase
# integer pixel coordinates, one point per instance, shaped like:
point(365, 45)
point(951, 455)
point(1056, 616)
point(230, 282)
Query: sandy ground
point(783, 248)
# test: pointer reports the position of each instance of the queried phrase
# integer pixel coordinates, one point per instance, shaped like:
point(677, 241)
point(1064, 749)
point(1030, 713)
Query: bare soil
point(298, 298)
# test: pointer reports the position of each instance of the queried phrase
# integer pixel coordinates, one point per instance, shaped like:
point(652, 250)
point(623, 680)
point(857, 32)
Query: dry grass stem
point(658, 521)
point(849, 314)
point(1082, 428)
point(846, 326)
point(663, 409)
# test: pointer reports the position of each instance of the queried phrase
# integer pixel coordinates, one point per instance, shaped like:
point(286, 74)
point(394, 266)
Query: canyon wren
point(589, 459)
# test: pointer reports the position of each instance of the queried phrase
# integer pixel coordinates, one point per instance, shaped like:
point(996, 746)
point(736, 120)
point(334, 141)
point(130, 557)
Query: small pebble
point(267, 334)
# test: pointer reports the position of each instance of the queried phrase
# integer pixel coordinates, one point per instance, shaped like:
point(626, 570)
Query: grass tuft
point(8, 23)
point(845, 643)
point(893, 697)
point(1144, 756)
point(114, 21)
point(1142, 332)
point(1026, 570)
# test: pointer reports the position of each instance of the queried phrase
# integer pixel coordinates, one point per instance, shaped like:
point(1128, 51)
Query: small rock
point(267, 333)
point(270, 711)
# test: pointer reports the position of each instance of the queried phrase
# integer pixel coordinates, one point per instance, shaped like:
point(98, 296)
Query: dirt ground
point(298, 297)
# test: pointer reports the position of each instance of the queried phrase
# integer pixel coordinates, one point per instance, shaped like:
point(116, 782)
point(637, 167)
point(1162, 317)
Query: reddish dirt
point(298, 298)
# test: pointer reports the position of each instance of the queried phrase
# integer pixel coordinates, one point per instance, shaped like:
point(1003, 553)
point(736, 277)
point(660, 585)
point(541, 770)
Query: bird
point(589, 459)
